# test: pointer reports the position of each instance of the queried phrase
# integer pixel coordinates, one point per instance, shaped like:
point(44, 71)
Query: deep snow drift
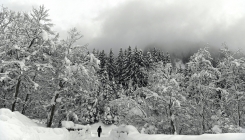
point(15, 126)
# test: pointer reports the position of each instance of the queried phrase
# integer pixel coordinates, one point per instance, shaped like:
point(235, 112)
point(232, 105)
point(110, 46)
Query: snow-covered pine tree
point(148, 61)
point(95, 52)
point(161, 56)
point(111, 68)
point(154, 54)
point(135, 68)
point(103, 62)
point(128, 67)
point(124, 70)
point(139, 76)
point(167, 58)
point(119, 67)
point(103, 59)
point(142, 75)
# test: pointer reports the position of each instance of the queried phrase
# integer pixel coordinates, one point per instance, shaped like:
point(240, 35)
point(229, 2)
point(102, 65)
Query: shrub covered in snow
point(148, 129)
point(123, 131)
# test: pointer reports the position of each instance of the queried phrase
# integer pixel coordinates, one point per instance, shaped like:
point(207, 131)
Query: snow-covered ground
point(15, 126)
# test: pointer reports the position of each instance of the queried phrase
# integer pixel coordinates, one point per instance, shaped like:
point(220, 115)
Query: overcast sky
point(170, 24)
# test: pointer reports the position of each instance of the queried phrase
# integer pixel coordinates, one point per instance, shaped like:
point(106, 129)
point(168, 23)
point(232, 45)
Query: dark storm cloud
point(169, 25)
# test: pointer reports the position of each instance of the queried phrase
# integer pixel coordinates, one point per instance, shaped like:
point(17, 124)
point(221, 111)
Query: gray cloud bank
point(176, 26)
point(170, 25)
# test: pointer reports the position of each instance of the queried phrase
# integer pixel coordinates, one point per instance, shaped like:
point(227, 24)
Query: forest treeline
point(129, 69)
point(51, 80)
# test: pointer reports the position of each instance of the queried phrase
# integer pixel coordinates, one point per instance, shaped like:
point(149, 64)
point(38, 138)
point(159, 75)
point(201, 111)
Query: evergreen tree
point(135, 68)
point(167, 58)
point(148, 61)
point(103, 62)
point(154, 54)
point(161, 56)
point(111, 66)
point(143, 75)
point(120, 66)
point(128, 67)
point(96, 53)
point(104, 79)
point(139, 71)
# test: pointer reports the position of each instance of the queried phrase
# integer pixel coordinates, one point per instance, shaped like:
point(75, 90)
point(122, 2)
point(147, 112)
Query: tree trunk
point(16, 94)
point(24, 106)
point(172, 129)
point(52, 112)
point(202, 122)
point(4, 97)
point(27, 97)
point(239, 114)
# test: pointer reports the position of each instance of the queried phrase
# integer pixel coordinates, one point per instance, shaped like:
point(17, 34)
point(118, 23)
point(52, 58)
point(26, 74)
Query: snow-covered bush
point(110, 115)
point(123, 131)
point(148, 129)
point(126, 111)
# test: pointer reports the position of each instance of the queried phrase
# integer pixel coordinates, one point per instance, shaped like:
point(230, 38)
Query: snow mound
point(4, 118)
point(26, 121)
point(67, 124)
point(128, 129)
point(6, 112)
point(15, 126)
point(15, 118)
point(242, 130)
point(122, 132)
point(71, 125)
point(86, 127)
point(216, 129)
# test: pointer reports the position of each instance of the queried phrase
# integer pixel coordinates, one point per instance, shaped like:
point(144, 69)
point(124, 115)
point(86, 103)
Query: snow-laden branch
point(20, 62)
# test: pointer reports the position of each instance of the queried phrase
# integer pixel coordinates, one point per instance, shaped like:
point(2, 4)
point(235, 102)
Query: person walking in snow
point(99, 130)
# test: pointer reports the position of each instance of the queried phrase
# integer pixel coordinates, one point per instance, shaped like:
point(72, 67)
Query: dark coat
point(99, 130)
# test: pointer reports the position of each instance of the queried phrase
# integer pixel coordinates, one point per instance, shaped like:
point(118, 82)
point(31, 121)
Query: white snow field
point(15, 126)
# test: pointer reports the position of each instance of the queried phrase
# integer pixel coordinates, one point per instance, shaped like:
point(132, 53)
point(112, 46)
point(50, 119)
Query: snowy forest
point(50, 80)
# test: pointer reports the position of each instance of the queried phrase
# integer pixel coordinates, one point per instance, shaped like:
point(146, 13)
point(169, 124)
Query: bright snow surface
point(15, 126)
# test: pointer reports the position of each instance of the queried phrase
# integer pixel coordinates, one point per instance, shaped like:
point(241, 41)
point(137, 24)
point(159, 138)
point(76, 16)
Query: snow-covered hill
point(15, 126)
